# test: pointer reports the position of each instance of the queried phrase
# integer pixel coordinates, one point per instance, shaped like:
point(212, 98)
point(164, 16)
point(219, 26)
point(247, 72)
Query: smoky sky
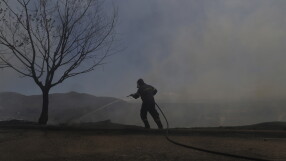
point(189, 50)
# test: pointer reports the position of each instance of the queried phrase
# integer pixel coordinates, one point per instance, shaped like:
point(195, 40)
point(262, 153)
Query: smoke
point(191, 50)
point(222, 50)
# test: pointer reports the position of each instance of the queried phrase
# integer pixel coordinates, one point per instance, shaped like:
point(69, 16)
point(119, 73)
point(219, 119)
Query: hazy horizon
point(72, 108)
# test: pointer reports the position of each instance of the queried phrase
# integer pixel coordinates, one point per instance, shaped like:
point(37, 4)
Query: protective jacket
point(146, 92)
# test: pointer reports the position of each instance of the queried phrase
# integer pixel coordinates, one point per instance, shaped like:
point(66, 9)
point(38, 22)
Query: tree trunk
point(45, 107)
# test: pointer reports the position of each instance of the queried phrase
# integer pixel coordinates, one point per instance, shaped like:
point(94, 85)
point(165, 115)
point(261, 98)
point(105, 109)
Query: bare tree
point(53, 40)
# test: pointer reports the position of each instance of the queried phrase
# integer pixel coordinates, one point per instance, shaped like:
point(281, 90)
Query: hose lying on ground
point(201, 149)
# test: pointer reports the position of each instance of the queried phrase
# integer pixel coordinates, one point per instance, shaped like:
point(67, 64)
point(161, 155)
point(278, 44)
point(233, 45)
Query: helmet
point(140, 82)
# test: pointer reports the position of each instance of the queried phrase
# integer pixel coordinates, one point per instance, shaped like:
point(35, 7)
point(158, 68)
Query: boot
point(146, 123)
point(159, 124)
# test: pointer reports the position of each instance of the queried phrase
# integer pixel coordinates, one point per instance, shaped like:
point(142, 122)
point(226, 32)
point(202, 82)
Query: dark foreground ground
point(48, 144)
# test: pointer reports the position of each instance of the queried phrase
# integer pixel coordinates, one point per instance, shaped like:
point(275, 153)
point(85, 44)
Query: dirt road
point(46, 145)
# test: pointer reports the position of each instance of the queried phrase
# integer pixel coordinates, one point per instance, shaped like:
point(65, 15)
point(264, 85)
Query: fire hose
point(201, 149)
point(188, 146)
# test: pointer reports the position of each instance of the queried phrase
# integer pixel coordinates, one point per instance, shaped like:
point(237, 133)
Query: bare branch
point(53, 40)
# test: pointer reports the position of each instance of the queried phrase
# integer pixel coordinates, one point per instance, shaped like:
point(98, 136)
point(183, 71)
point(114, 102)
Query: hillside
point(63, 107)
point(265, 126)
point(73, 107)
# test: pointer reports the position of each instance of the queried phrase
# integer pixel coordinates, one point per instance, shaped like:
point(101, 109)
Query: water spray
point(101, 108)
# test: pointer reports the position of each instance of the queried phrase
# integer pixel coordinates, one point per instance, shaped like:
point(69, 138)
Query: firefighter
point(147, 92)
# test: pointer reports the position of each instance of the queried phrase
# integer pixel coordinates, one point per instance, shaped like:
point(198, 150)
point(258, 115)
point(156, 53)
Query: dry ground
point(69, 145)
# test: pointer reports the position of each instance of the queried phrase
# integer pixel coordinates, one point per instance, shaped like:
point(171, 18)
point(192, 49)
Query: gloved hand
point(131, 95)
